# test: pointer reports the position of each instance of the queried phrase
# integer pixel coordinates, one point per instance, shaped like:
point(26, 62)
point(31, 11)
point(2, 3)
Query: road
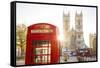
point(71, 59)
point(74, 59)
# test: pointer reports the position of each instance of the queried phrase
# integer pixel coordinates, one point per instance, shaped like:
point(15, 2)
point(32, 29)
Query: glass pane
point(44, 51)
point(48, 58)
point(40, 43)
point(37, 59)
point(38, 50)
point(45, 43)
point(44, 59)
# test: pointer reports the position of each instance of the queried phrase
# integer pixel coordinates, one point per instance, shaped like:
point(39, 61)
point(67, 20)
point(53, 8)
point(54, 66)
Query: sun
point(61, 37)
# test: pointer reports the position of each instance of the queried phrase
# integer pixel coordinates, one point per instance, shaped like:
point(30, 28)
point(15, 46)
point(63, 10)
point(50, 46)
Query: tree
point(21, 37)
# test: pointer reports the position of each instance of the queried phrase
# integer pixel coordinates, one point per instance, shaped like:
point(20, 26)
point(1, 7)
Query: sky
point(29, 14)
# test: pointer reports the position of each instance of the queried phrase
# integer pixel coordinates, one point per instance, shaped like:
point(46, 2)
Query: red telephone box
point(42, 44)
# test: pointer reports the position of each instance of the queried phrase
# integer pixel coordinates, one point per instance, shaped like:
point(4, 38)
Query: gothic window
point(78, 27)
point(79, 36)
point(78, 21)
point(65, 20)
point(79, 42)
point(72, 39)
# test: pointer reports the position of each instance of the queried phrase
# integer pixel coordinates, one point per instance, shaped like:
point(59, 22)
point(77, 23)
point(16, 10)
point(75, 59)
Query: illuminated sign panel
point(42, 29)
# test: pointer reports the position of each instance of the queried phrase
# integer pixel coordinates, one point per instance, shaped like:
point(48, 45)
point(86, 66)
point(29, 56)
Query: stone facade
point(92, 42)
point(73, 37)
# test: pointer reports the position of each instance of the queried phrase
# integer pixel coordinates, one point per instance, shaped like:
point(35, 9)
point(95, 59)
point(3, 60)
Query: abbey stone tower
point(73, 37)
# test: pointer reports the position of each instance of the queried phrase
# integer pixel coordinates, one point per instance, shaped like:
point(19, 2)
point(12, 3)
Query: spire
point(66, 14)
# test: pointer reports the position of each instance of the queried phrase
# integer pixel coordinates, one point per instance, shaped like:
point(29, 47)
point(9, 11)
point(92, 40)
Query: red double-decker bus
point(42, 44)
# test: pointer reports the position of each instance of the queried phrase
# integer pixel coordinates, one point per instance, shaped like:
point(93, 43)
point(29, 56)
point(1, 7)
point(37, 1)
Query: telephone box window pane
point(38, 50)
point(45, 51)
point(45, 43)
point(42, 50)
point(40, 43)
point(44, 59)
point(48, 58)
point(37, 59)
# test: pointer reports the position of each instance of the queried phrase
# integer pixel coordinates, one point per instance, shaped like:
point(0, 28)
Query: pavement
point(74, 59)
point(20, 62)
point(71, 59)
